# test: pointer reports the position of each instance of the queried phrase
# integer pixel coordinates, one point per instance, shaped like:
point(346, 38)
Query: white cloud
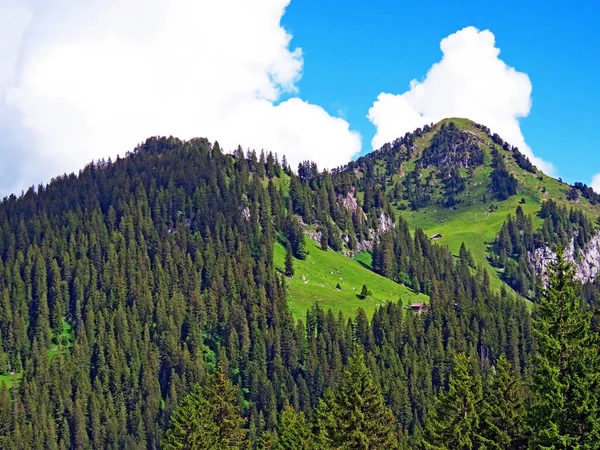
point(595, 184)
point(92, 79)
point(470, 81)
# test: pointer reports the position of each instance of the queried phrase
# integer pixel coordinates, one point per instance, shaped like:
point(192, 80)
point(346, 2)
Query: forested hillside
point(141, 305)
point(459, 180)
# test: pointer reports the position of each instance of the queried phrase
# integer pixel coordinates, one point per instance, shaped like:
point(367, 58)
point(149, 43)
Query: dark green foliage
point(6, 418)
point(564, 411)
point(223, 397)
point(364, 292)
point(522, 161)
point(208, 418)
point(517, 239)
point(573, 194)
point(192, 425)
point(503, 420)
point(289, 261)
point(455, 421)
point(354, 416)
point(161, 264)
point(324, 239)
point(465, 256)
point(454, 184)
point(294, 432)
point(503, 184)
point(417, 192)
point(295, 236)
point(451, 148)
point(588, 193)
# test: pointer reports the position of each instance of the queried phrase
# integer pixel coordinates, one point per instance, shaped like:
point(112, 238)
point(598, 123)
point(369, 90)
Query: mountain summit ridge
point(458, 180)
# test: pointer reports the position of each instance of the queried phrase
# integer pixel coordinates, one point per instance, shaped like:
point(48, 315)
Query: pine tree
point(208, 417)
point(564, 413)
point(192, 425)
point(465, 256)
point(222, 396)
point(289, 261)
point(503, 421)
point(324, 241)
point(293, 432)
point(454, 424)
point(364, 292)
point(355, 415)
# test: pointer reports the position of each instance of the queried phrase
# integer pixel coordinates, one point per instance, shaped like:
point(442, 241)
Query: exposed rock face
point(313, 234)
point(246, 213)
point(349, 201)
point(364, 246)
point(587, 261)
point(385, 223)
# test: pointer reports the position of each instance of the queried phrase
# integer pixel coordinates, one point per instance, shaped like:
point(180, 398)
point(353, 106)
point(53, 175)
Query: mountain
point(458, 181)
point(226, 298)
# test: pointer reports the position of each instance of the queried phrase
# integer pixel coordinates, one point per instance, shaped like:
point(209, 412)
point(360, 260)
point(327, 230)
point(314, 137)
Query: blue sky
point(90, 80)
point(355, 50)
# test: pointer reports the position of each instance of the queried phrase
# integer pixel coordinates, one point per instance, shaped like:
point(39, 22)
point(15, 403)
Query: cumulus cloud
point(595, 184)
point(470, 81)
point(87, 80)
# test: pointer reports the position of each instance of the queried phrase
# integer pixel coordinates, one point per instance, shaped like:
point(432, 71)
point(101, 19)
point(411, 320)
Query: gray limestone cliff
point(586, 261)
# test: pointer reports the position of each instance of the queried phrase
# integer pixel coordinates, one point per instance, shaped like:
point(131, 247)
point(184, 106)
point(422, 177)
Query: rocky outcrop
point(586, 261)
point(245, 213)
point(349, 201)
point(385, 223)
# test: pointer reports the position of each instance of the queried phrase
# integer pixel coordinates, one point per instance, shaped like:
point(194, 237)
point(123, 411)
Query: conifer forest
point(145, 302)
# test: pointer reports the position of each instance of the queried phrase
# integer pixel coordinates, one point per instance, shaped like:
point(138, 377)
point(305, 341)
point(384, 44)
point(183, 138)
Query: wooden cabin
point(418, 307)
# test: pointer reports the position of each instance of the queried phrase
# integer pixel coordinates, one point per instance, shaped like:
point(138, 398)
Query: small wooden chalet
point(418, 307)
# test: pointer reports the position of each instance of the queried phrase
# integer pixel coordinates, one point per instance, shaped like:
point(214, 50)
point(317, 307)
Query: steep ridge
point(458, 181)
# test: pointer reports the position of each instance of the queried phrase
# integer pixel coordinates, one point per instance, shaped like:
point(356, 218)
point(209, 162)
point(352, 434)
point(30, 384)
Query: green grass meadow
point(323, 270)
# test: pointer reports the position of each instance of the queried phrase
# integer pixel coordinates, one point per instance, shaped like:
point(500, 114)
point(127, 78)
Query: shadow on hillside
point(366, 266)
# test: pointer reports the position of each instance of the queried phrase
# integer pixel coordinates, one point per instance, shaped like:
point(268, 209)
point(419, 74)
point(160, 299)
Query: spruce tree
point(454, 424)
point(504, 412)
point(222, 396)
point(364, 292)
point(6, 417)
point(465, 256)
point(355, 416)
point(208, 418)
point(324, 239)
point(289, 261)
point(293, 432)
point(192, 425)
point(564, 412)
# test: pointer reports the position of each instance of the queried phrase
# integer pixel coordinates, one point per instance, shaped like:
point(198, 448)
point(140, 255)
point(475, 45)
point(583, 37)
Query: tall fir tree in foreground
point(294, 432)
point(503, 418)
point(192, 425)
point(208, 418)
point(564, 410)
point(354, 416)
point(455, 422)
point(223, 395)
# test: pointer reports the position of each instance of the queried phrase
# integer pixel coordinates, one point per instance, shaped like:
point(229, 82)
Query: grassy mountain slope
point(478, 217)
point(323, 270)
point(475, 219)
